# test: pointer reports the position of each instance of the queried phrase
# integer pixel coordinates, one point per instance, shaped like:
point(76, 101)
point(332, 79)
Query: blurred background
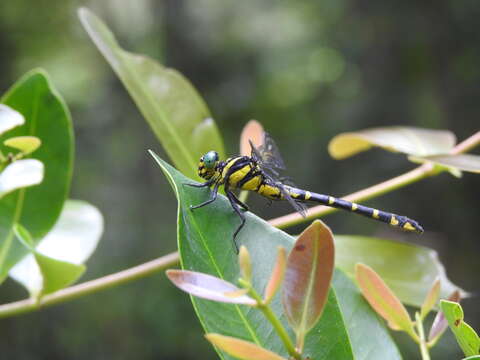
point(307, 70)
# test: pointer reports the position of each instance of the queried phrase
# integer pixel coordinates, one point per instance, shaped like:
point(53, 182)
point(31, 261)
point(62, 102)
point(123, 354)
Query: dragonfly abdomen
point(392, 219)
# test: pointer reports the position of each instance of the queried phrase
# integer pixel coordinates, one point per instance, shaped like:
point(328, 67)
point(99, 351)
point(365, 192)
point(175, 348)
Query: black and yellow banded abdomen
point(392, 219)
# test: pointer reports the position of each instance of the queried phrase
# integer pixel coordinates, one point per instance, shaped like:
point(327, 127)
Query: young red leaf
point(241, 349)
point(382, 299)
point(208, 287)
point(277, 276)
point(307, 278)
point(440, 324)
point(253, 131)
point(430, 299)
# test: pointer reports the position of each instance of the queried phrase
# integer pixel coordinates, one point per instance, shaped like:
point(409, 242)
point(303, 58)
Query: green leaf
point(307, 278)
point(440, 324)
point(174, 110)
point(466, 337)
point(26, 144)
point(463, 162)
point(57, 260)
point(205, 243)
point(20, 174)
point(407, 140)
point(9, 118)
point(475, 357)
point(37, 208)
point(407, 269)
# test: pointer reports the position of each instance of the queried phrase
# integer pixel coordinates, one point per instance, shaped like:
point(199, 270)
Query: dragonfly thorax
point(207, 165)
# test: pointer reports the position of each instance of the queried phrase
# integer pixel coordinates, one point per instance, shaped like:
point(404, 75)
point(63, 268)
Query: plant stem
point(277, 325)
point(89, 287)
point(73, 292)
point(421, 334)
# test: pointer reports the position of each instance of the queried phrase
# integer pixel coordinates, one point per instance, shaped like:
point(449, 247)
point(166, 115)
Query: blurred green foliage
point(307, 70)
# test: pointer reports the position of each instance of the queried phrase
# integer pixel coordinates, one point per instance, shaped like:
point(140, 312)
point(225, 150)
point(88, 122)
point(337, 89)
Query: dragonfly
point(261, 173)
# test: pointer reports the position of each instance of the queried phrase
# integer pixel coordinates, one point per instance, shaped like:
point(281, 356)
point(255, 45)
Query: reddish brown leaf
point(208, 287)
point(241, 349)
point(382, 299)
point(277, 276)
point(252, 131)
point(440, 324)
point(307, 278)
point(430, 299)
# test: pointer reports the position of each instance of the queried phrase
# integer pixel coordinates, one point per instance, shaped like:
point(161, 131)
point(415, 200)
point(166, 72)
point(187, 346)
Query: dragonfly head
point(207, 164)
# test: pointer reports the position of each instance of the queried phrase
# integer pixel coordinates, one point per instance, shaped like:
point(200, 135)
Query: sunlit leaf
point(207, 287)
point(382, 299)
point(466, 337)
point(26, 144)
point(440, 324)
point(9, 118)
point(241, 349)
point(253, 132)
point(430, 299)
point(20, 174)
point(277, 276)
point(475, 357)
point(406, 268)
point(172, 107)
point(408, 140)
point(307, 277)
point(205, 244)
point(63, 251)
point(463, 162)
point(38, 207)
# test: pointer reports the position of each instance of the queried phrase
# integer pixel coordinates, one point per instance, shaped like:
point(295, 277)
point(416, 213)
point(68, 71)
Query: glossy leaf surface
point(407, 269)
point(208, 287)
point(407, 140)
point(466, 337)
point(58, 258)
point(172, 107)
point(307, 277)
point(20, 174)
point(205, 243)
point(37, 208)
point(241, 349)
point(9, 118)
point(382, 299)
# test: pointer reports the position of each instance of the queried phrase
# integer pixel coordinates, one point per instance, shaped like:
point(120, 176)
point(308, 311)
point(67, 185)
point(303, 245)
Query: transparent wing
point(298, 206)
point(268, 154)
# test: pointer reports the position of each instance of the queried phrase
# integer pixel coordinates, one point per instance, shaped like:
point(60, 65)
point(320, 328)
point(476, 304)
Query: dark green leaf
point(205, 243)
point(38, 207)
point(175, 111)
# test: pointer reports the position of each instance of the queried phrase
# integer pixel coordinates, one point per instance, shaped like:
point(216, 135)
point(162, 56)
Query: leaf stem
point(421, 334)
point(277, 325)
point(149, 268)
point(89, 287)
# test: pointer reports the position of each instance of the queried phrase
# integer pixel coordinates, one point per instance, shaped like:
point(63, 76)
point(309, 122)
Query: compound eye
point(210, 159)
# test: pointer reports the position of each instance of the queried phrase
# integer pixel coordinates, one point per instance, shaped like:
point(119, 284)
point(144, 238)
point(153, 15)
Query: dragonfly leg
point(205, 184)
point(239, 202)
point(235, 207)
point(213, 197)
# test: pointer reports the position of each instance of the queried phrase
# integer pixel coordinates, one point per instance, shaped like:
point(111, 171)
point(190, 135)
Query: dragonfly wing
point(270, 153)
point(298, 206)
